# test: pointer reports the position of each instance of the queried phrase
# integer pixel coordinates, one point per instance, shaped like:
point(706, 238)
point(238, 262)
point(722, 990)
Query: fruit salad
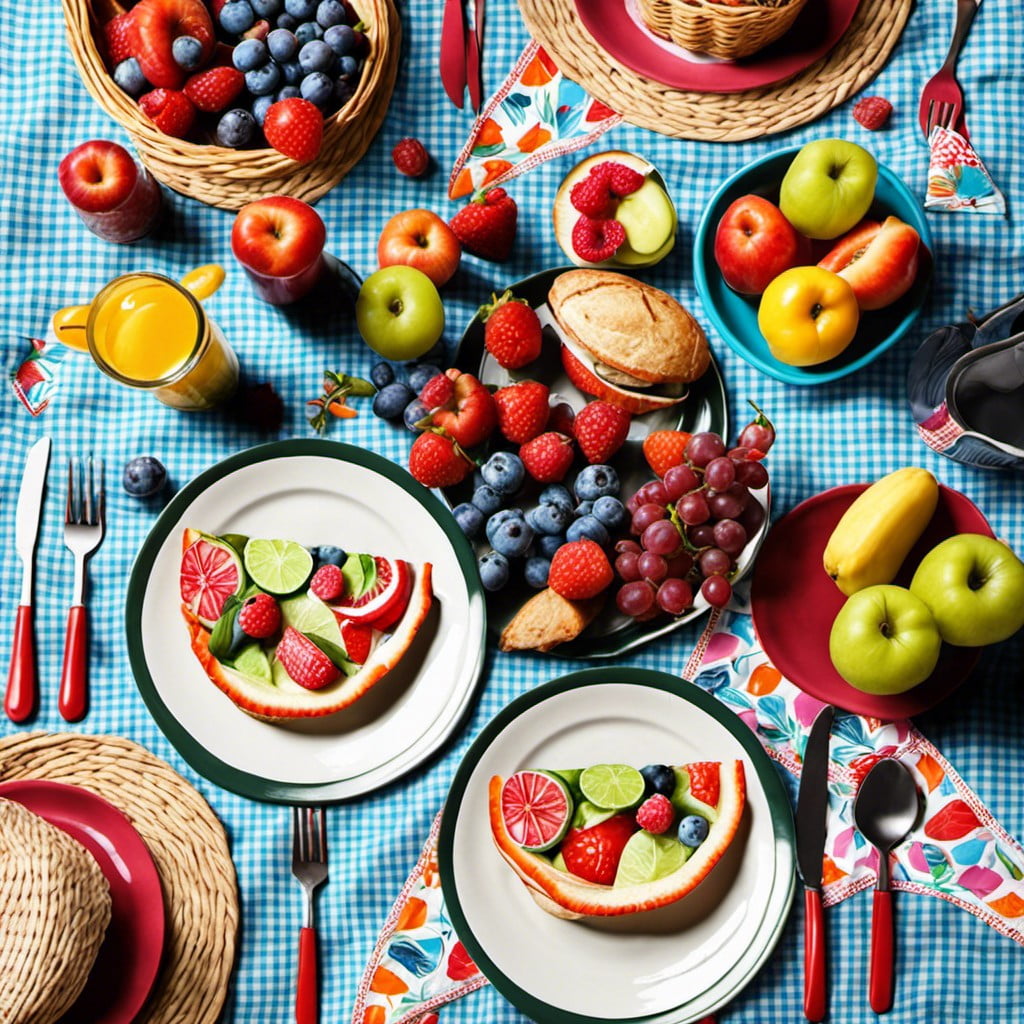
point(613, 839)
point(290, 632)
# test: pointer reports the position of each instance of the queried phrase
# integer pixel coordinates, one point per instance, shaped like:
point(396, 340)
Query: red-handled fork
point(309, 866)
point(942, 100)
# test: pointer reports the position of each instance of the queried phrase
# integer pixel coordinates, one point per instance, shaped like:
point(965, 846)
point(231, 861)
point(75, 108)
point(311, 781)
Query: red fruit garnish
point(664, 449)
point(117, 33)
point(486, 227)
point(155, 24)
point(259, 616)
point(295, 128)
point(872, 112)
point(597, 240)
point(600, 429)
point(512, 331)
point(522, 410)
point(474, 416)
point(656, 814)
point(304, 662)
point(171, 111)
point(358, 641)
point(622, 180)
point(593, 196)
point(410, 157)
point(547, 458)
point(438, 391)
point(328, 583)
point(215, 89)
point(580, 570)
point(385, 601)
point(593, 854)
point(436, 461)
point(706, 781)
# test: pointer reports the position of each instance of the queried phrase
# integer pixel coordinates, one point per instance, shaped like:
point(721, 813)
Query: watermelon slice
point(211, 572)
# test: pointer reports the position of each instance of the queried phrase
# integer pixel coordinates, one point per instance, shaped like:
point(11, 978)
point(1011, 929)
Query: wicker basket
point(720, 29)
point(55, 908)
point(230, 178)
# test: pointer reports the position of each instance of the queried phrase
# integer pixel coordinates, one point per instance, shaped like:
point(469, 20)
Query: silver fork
point(84, 519)
point(309, 866)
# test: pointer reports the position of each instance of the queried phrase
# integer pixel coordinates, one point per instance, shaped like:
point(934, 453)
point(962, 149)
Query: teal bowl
point(735, 316)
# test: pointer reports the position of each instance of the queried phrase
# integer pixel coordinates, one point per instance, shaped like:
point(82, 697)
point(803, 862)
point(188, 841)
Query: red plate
point(618, 29)
point(794, 603)
point(129, 957)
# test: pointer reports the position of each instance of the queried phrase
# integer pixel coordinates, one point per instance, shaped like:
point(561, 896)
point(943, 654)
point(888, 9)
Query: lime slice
point(252, 661)
point(278, 566)
point(614, 787)
point(646, 858)
point(308, 614)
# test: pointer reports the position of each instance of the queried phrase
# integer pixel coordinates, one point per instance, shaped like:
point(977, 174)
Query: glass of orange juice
point(146, 331)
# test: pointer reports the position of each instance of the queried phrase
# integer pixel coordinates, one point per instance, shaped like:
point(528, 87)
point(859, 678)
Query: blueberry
point(487, 499)
point(128, 75)
point(260, 106)
point(301, 9)
point(308, 31)
point(504, 471)
point(590, 528)
point(658, 778)
point(382, 375)
point(292, 71)
point(328, 554)
point(187, 52)
point(263, 81)
point(236, 128)
point(316, 55)
point(415, 411)
point(610, 511)
point(144, 476)
point(266, 8)
point(389, 403)
point(594, 482)
point(317, 88)
point(286, 92)
point(693, 830)
point(236, 16)
point(502, 516)
point(282, 44)
point(249, 54)
point(341, 39)
point(286, 21)
point(469, 518)
point(419, 374)
point(548, 519)
point(493, 570)
point(584, 508)
point(330, 13)
point(343, 92)
point(348, 66)
point(548, 544)
point(557, 495)
point(512, 537)
point(535, 572)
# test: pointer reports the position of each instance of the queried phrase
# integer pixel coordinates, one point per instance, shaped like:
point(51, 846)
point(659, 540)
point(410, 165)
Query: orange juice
point(148, 332)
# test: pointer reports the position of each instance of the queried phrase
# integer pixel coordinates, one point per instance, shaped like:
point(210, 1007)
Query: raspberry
point(580, 570)
point(872, 112)
point(597, 240)
point(622, 180)
point(171, 111)
point(410, 157)
point(259, 617)
point(600, 429)
point(547, 458)
point(438, 391)
point(593, 197)
point(656, 814)
point(328, 583)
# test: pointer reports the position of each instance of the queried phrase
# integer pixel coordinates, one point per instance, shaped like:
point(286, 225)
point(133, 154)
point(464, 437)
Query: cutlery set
point(84, 524)
point(886, 809)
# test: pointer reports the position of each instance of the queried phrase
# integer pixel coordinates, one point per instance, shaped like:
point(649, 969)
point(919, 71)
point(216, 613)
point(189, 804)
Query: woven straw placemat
point(726, 117)
point(188, 845)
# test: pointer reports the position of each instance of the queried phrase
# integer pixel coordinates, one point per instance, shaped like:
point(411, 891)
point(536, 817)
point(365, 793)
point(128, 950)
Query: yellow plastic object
point(204, 281)
point(67, 325)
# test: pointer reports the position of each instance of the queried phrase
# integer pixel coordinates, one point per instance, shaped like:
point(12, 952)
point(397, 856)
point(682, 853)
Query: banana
point(878, 530)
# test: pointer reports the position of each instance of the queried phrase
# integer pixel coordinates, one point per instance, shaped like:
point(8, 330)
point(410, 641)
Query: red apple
point(420, 239)
point(879, 261)
point(116, 199)
point(754, 243)
point(280, 242)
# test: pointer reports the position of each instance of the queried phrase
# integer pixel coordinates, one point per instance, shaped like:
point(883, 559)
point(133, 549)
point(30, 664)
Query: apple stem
point(815, 310)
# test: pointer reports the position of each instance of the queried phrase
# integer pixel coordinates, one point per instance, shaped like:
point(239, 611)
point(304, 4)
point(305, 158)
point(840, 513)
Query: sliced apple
point(648, 217)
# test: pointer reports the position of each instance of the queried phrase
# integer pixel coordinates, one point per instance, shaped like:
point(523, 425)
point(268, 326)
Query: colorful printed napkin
point(957, 852)
point(536, 115)
point(34, 380)
point(957, 179)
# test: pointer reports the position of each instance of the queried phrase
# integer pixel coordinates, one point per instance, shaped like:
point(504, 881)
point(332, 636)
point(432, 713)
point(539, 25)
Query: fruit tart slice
point(289, 632)
point(611, 839)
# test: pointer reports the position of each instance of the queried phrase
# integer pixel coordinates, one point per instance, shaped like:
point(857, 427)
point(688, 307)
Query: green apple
point(884, 640)
point(399, 313)
point(974, 586)
point(828, 188)
point(648, 217)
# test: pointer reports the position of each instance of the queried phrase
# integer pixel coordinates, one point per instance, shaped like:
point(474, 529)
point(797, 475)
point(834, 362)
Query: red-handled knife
point(474, 47)
point(453, 51)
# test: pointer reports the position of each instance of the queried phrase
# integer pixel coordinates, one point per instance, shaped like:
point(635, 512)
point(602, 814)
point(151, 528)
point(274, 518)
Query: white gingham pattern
point(952, 969)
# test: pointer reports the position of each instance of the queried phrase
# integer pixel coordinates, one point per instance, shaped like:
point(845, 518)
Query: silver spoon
point(885, 810)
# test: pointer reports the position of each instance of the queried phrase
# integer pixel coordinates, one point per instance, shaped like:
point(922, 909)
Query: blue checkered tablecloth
point(952, 969)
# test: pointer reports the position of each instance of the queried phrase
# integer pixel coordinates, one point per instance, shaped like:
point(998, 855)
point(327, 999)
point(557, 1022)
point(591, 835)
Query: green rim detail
point(204, 761)
point(768, 930)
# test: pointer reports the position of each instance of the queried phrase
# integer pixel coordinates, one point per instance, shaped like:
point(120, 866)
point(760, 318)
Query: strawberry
point(215, 89)
point(512, 331)
point(155, 24)
point(656, 814)
point(486, 227)
point(600, 429)
point(295, 128)
point(171, 111)
point(593, 196)
point(328, 583)
point(705, 781)
point(522, 410)
point(437, 461)
point(471, 415)
point(664, 449)
point(117, 33)
point(547, 457)
point(304, 661)
point(622, 180)
point(358, 640)
point(597, 240)
point(580, 570)
point(593, 853)
point(410, 157)
point(438, 391)
point(872, 112)
point(259, 616)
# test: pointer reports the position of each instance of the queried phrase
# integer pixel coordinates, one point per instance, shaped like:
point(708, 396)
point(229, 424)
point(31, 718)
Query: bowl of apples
point(813, 261)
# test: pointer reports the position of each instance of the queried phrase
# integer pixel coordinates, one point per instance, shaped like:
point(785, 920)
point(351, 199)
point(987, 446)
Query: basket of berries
point(230, 100)
point(723, 28)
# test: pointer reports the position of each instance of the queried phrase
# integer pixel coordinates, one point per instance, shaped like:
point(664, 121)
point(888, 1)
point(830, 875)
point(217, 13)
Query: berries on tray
point(872, 112)
point(328, 583)
point(171, 111)
point(215, 89)
point(547, 457)
point(295, 128)
point(486, 226)
point(512, 331)
point(410, 157)
point(664, 449)
point(580, 570)
point(600, 429)
point(504, 472)
point(470, 415)
point(522, 410)
point(437, 461)
point(656, 814)
point(144, 476)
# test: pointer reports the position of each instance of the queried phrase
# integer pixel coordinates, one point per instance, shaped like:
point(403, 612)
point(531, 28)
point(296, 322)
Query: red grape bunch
point(692, 524)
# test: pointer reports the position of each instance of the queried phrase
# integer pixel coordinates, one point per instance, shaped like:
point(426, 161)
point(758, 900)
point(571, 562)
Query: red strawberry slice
point(593, 853)
point(358, 641)
point(304, 661)
point(385, 602)
point(155, 24)
point(706, 781)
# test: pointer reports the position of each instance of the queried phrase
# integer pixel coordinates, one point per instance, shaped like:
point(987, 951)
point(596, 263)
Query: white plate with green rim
point(314, 492)
point(669, 966)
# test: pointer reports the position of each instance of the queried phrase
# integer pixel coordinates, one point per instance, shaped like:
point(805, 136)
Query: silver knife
point(20, 701)
point(811, 829)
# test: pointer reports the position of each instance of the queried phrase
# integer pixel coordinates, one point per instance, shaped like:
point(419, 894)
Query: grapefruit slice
point(536, 808)
point(211, 572)
point(567, 896)
point(383, 603)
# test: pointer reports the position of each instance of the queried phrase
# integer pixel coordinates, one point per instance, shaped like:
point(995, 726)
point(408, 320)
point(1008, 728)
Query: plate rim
point(204, 761)
point(775, 792)
point(148, 866)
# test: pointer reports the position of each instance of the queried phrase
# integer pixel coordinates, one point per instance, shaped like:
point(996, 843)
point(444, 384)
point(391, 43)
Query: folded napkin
point(957, 179)
point(34, 379)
